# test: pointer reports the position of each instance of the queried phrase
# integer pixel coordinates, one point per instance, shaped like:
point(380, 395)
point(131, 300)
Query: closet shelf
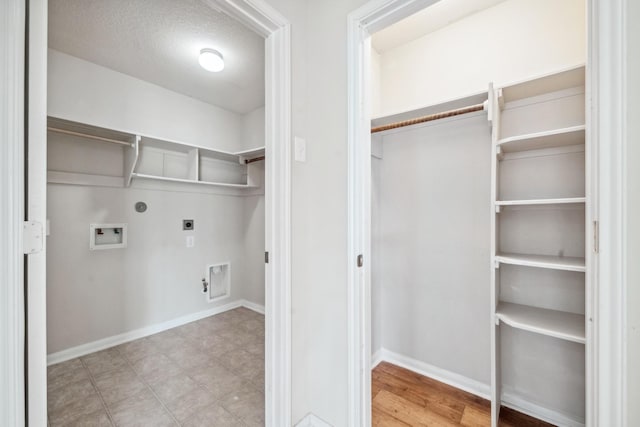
point(553, 323)
point(196, 164)
point(573, 77)
point(190, 181)
point(543, 261)
point(573, 135)
point(561, 201)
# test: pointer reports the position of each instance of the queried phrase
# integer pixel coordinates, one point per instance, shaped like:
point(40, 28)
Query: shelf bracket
point(496, 264)
point(496, 319)
point(498, 208)
point(499, 152)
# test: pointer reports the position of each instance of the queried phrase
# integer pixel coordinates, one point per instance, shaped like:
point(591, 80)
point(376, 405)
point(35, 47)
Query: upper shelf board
point(574, 135)
point(67, 125)
point(553, 323)
point(543, 261)
point(573, 77)
point(160, 143)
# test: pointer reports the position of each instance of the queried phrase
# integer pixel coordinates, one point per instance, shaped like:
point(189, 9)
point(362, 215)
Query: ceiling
point(159, 41)
point(433, 18)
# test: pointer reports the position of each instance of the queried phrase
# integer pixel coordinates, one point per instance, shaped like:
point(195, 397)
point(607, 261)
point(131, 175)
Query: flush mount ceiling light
point(211, 60)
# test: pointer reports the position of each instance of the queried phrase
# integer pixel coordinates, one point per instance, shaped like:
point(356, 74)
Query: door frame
point(606, 85)
point(259, 16)
point(12, 137)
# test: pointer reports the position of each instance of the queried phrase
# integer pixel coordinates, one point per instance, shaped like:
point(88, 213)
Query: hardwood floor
point(403, 398)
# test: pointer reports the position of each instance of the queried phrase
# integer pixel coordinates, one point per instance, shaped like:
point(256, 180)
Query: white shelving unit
point(148, 158)
point(543, 121)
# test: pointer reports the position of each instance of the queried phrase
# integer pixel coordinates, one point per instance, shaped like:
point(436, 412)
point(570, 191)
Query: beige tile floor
point(206, 373)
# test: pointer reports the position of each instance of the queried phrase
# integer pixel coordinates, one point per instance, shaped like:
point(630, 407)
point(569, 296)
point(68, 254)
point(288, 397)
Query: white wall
point(88, 93)
point(633, 213)
point(252, 129)
point(97, 294)
point(376, 84)
point(493, 45)
point(433, 225)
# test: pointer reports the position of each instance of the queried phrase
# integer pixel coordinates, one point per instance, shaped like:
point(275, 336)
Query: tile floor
point(206, 373)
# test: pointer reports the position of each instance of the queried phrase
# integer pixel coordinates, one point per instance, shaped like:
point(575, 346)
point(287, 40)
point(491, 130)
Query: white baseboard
point(510, 400)
point(451, 378)
point(91, 347)
point(253, 306)
point(311, 420)
point(376, 358)
point(513, 401)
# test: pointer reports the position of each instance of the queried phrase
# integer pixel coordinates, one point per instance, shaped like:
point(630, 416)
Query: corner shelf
point(553, 323)
point(543, 261)
point(573, 135)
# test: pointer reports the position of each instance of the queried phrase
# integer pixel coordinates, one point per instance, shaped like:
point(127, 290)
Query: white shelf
point(573, 135)
point(562, 201)
point(190, 181)
point(557, 81)
point(74, 178)
point(252, 153)
point(553, 323)
point(543, 261)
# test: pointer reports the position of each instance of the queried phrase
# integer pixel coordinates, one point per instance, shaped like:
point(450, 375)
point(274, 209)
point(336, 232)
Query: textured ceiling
point(159, 41)
point(433, 18)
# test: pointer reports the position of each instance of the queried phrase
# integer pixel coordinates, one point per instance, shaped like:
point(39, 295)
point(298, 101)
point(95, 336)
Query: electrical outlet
point(191, 241)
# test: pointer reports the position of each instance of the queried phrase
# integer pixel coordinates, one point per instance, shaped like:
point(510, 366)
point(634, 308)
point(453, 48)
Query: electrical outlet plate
point(187, 224)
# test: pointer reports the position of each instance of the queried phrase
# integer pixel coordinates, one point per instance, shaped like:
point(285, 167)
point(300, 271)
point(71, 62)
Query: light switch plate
point(300, 146)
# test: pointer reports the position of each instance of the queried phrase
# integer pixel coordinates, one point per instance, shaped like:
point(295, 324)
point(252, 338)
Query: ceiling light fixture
point(211, 60)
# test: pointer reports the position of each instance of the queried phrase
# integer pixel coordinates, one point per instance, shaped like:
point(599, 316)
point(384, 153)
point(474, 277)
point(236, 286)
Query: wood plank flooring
point(403, 398)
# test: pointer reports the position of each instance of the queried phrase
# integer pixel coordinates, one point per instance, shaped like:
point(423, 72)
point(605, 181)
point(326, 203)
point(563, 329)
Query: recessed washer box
point(107, 236)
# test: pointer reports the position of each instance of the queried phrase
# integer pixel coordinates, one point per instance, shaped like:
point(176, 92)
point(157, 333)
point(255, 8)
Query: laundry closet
point(480, 229)
point(156, 194)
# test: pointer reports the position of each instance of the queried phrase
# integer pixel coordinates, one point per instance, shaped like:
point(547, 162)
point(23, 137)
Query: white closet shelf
point(251, 153)
point(75, 178)
point(191, 181)
point(543, 261)
point(183, 155)
point(561, 201)
point(553, 323)
point(573, 135)
point(557, 81)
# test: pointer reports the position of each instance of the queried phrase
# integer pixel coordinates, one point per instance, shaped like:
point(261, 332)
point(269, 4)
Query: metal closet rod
point(430, 117)
point(255, 159)
point(84, 135)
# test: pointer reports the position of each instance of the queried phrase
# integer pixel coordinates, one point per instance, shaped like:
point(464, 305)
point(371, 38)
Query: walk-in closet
point(156, 215)
point(480, 229)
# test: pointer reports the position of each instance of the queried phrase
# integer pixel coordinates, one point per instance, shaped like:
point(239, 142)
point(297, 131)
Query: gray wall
point(433, 245)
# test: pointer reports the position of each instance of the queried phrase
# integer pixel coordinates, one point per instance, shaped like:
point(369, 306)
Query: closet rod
point(84, 135)
point(430, 117)
point(255, 159)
